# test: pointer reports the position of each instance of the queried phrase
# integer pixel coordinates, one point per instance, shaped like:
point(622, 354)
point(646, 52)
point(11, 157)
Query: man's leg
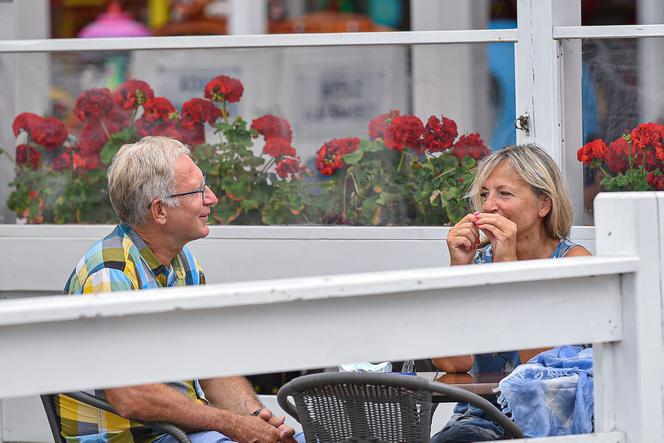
point(212, 437)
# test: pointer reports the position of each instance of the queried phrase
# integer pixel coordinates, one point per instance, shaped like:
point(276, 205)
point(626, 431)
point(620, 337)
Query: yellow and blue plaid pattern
point(121, 262)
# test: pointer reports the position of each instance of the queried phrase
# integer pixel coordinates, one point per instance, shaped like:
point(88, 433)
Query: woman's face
point(504, 192)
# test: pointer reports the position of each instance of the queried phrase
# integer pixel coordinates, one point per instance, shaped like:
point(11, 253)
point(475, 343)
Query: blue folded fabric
point(552, 394)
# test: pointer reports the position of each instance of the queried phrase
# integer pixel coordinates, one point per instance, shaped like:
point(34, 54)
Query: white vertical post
point(548, 86)
point(247, 17)
point(651, 64)
point(444, 79)
point(629, 374)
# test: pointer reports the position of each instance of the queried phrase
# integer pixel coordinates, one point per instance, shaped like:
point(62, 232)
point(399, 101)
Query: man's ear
point(158, 212)
point(545, 205)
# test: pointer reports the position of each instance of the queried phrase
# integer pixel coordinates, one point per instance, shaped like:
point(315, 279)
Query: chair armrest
point(459, 394)
point(100, 403)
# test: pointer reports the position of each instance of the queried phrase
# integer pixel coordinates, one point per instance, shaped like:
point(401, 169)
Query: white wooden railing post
point(629, 374)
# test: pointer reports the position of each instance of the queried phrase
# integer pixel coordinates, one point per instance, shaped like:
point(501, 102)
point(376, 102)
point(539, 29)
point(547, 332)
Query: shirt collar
point(167, 276)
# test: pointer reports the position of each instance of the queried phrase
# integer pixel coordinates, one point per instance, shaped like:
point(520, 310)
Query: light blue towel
point(552, 394)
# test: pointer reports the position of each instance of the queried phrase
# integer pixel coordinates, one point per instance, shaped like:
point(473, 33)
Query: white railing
point(613, 300)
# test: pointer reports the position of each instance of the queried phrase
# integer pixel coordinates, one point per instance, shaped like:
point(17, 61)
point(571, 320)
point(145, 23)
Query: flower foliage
point(404, 172)
point(633, 162)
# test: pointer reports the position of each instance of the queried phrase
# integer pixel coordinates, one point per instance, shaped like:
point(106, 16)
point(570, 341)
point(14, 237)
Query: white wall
point(232, 253)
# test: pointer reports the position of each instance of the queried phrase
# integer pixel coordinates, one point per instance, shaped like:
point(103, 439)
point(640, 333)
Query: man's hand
point(252, 429)
point(277, 421)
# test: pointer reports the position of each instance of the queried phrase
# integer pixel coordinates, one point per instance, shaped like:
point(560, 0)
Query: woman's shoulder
point(567, 248)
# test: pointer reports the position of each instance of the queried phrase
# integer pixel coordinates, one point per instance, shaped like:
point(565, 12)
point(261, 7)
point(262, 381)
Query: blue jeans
point(212, 437)
point(468, 426)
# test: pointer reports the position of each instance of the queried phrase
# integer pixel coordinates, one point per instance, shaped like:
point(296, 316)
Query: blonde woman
point(523, 211)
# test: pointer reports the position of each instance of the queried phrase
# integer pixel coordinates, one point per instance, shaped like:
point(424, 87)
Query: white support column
point(18, 20)
point(548, 86)
point(247, 17)
point(651, 63)
point(629, 376)
point(451, 79)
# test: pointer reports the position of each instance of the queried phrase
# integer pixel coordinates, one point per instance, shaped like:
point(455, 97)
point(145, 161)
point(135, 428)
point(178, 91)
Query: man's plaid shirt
point(121, 262)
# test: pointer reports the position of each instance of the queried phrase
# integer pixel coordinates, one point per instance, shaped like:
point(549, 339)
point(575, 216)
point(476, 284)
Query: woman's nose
point(489, 204)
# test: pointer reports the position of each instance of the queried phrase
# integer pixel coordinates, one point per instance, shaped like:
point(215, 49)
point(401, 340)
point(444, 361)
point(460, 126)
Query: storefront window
point(623, 113)
point(384, 135)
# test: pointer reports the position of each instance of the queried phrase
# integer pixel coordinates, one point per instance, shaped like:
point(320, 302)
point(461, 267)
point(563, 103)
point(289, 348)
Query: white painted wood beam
point(610, 32)
point(629, 380)
point(261, 41)
point(319, 322)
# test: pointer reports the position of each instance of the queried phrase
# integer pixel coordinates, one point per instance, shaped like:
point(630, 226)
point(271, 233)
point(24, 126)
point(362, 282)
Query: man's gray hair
point(141, 172)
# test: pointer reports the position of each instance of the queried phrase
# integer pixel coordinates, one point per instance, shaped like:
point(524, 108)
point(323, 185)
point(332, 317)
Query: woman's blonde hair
point(141, 172)
point(543, 176)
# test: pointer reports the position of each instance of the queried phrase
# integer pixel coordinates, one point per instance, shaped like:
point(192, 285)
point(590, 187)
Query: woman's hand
point(502, 234)
point(462, 240)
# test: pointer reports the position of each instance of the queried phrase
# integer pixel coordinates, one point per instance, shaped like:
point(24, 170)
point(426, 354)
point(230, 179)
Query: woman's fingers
point(493, 232)
point(461, 242)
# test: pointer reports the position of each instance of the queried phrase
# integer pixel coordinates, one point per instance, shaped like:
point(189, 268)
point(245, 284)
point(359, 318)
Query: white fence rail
point(613, 300)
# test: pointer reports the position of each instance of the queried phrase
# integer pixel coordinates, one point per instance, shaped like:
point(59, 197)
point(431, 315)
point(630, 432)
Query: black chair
point(358, 407)
point(54, 421)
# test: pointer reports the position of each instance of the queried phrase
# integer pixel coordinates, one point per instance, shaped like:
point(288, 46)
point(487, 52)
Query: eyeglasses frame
point(182, 194)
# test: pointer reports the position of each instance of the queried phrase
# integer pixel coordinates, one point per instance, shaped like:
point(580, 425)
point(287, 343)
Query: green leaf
point(354, 157)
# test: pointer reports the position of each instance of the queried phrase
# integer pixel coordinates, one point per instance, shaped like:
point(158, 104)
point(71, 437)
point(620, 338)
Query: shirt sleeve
point(107, 280)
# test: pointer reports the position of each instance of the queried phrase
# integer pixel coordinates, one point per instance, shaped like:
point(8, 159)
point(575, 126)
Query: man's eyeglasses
point(181, 194)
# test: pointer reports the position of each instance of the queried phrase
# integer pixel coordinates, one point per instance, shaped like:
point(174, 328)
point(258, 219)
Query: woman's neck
point(535, 244)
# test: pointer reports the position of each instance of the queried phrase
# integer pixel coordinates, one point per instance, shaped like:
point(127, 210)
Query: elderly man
point(163, 203)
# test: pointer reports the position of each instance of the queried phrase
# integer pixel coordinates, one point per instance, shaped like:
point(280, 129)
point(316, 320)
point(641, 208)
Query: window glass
point(381, 135)
point(623, 113)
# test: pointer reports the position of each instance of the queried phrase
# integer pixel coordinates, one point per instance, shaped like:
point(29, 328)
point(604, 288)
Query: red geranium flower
point(92, 139)
point(87, 162)
point(116, 119)
point(378, 124)
point(62, 162)
point(22, 152)
point(270, 126)
point(439, 135)
point(646, 135)
point(616, 155)
point(158, 108)
point(290, 167)
point(470, 145)
point(223, 88)
point(133, 93)
point(595, 149)
point(50, 133)
point(189, 136)
point(25, 121)
point(404, 131)
point(329, 156)
point(198, 111)
point(278, 147)
point(93, 104)
point(655, 181)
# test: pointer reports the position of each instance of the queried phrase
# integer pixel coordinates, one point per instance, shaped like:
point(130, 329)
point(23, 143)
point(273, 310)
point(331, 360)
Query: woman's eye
point(504, 194)
point(484, 195)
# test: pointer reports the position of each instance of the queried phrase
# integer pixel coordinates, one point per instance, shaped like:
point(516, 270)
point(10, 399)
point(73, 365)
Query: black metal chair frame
point(54, 421)
point(409, 384)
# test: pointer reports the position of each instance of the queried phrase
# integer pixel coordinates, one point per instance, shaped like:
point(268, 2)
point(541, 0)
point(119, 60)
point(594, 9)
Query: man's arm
point(161, 403)
point(234, 394)
point(237, 395)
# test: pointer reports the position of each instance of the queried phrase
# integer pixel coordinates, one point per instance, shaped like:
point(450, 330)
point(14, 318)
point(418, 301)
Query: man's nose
point(209, 198)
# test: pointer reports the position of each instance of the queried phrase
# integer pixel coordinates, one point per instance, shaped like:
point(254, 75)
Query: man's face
point(188, 221)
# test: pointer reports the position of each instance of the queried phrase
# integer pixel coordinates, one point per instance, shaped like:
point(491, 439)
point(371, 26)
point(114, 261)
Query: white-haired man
point(163, 203)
